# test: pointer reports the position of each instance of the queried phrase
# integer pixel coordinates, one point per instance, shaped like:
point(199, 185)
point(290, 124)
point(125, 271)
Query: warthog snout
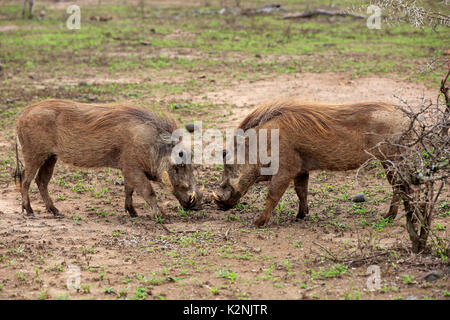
point(226, 197)
point(195, 200)
point(191, 201)
point(181, 180)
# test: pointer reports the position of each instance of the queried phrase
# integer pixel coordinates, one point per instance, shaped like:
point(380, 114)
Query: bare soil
point(212, 254)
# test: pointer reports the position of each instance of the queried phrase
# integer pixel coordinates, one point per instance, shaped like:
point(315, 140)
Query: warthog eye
point(224, 154)
point(181, 154)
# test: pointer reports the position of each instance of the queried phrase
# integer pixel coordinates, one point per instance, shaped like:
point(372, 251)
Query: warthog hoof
point(55, 212)
point(58, 215)
point(261, 222)
point(131, 211)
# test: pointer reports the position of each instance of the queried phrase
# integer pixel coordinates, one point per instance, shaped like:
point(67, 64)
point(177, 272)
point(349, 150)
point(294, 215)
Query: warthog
point(311, 137)
point(134, 140)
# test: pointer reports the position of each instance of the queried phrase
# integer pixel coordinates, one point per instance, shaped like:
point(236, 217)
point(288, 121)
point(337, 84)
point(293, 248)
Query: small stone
point(411, 297)
point(433, 275)
point(177, 106)
point(359, 198)
point(146, 43)
point(92, 98)
point(8, 101)
point(82, 83)
point(191, 127)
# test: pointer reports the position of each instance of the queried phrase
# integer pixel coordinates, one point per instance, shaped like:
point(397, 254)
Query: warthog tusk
point(216, 196)
point(192, 197)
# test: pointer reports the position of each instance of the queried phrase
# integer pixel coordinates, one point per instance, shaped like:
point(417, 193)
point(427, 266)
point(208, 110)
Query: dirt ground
point(287, 260)
point(98, 252)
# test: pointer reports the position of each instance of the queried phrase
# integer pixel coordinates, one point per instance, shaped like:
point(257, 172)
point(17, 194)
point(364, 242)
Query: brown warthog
point(134, 140)
point(311, 137)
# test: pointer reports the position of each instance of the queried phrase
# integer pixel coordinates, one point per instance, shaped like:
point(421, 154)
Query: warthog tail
point(18, 171)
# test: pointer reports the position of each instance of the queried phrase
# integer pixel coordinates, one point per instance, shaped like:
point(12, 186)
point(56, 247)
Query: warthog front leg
point(129, 200)
point(301, 187)
point(277, 187)
point(135, 179)
point(42, 179)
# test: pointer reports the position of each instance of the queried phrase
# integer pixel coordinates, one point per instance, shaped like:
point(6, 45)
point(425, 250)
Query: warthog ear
point(166, 138)
point(166, 180)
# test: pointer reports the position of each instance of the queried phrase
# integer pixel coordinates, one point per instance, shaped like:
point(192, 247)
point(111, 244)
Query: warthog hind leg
point(301, 187)
point(42, 179)
point(27, 176)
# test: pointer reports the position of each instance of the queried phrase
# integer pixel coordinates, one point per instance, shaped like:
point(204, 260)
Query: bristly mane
point(104, 116)
point(125, 112)
point(297, 115)
point(292, 115)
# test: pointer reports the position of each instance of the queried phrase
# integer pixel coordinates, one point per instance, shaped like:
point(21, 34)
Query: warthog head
point(236, 179)
point(178, 175)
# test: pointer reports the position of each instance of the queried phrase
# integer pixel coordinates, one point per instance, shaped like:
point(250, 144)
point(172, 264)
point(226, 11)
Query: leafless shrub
point(421, 165)
point(410, 11)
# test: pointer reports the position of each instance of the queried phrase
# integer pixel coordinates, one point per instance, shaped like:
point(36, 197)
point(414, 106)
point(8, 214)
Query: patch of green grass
point(334, 271)
point(63, 296)
point(407, 279)
point(44, 295)
point(226, 274)
point(141, 293)
point(353, 295)
point(109, 290)
point(382, 223)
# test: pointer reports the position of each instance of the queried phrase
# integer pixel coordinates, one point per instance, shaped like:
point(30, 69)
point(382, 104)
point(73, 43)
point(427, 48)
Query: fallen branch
point(165, 228)
point(327, 251)
point(177, 231)
point(351, 261)
point(270, 8)
point(317, 12)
